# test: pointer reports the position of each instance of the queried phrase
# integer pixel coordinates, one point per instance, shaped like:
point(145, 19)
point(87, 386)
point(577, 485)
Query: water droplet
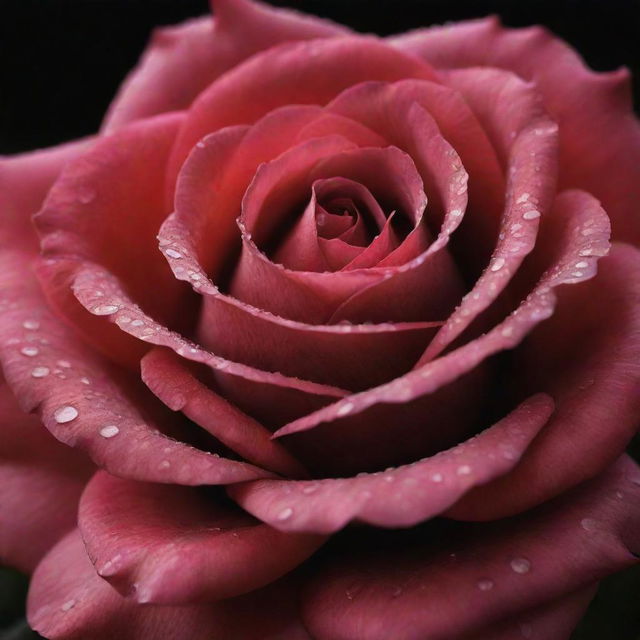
point(437, 477)
point(64, 363)
point(105, 309)
point(31, 324)
point(531, 215)
point(109, 431)
point(165, 464)
point(69, 604)
point(464, 470)
point(485, 584)
point(137, 323)
point(309, 488)
point(497, 264)
point(507, 332)
point(583, 264)
point(589, 524)
point(172, 253)
point(344, 409)
point(39, 372)
point(285, 514)
point(523, 198)
point(521, 565)
point(29, 351)
point(456, 213)
point(64, 414)
point(85, 380)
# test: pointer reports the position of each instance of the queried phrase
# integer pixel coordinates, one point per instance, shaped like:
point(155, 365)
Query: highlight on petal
point(599, 134)
point(181, 61)
point(40, 484)
point(402, 496)
point(69, 601)
point(496, 571)
point(173, 545)
point(583, 238)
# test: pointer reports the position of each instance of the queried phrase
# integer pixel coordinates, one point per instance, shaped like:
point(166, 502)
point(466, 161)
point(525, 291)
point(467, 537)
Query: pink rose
point(305, 279)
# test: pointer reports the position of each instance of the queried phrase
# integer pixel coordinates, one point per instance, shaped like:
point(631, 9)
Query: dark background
point(61, 61)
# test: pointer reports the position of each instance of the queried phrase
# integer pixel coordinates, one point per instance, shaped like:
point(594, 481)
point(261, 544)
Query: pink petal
point(556, 620)
point(69, 601)
point(525, 139)
point(181, 61)
point(599, 135)
point(168, 376)
point(272, 79)
point(93, 213)
point(590, 363)
point(415, 589)
point(580, 212)
point(173, 545)
point(40, 485)
point(399, 497)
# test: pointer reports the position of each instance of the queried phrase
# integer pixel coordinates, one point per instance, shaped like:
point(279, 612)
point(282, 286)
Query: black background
point(61, 61)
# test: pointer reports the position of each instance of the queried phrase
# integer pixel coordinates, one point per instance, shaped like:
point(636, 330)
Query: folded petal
point(417, 588)
point(174, 545)
point(599, 134)
point(40, 485)
point(590, 363)
point(69, 601)
point(402, 496)
point(181, 61)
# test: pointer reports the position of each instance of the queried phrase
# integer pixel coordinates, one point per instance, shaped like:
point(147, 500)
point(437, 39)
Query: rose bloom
point(325, 336)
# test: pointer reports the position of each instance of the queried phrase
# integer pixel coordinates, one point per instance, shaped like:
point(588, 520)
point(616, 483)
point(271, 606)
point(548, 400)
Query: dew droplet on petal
point(29, 351)
point(531, 215)
point(485, 584)
point(497, 264)
point(521, 565)
point(464, 470)
point(172, 253)
point(165, 464)
point(437, 477)
point(39, 372)
point(105, 309)
point(344, 409)
point(285, 514)
point(66, 413)
point(68, 605)
point(34, 324)
point(588, 524)
point(109, 431)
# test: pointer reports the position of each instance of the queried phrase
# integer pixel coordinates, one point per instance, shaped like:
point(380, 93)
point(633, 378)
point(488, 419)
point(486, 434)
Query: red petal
point(599, 135)
point(580, 212)
point(93, 213)
point(415, 589)
point(183, 60)
point(40, 485)
point(397, 498)
point(590, 363)
point(69, 601)
point(173, 545)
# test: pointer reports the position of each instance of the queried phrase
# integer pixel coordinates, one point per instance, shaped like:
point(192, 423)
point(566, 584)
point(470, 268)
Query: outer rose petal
point(183, 60)
point(399, 497)
point(94, 212)
point(69, 601)
point(174, 545)
point(599, 135)
point(590, 364)
point(497, 571)
point(40, 484)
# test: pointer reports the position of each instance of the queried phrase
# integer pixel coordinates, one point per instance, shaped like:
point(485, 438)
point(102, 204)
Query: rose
point(364, 366)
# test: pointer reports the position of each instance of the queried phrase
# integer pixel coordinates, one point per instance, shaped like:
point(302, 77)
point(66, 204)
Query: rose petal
point(167, 375)
point(181, 61)
point(68, 600)
point(599, 135)
point(272, 79)
point(498, 570)
point(399, 497)
point(595, 388)
point(580, 212)
point(172, 545)
point(40, 485)
point(92, 213)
